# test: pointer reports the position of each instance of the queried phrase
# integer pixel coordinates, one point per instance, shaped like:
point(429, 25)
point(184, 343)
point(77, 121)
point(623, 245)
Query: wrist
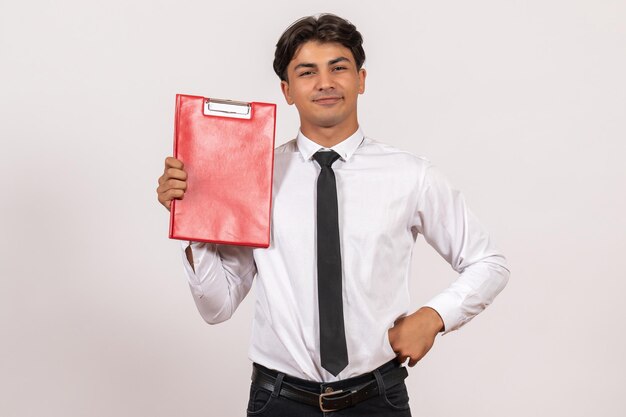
point(434, 319)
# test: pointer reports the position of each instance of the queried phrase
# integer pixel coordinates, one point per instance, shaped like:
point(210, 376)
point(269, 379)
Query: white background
point(520, 103)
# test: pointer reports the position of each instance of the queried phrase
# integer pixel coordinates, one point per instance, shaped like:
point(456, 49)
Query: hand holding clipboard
point(227, 149)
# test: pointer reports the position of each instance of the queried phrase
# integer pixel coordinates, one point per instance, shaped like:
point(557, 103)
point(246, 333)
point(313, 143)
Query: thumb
point(392, 334)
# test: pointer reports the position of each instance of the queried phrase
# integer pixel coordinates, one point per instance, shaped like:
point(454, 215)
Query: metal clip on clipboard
point(227, 108)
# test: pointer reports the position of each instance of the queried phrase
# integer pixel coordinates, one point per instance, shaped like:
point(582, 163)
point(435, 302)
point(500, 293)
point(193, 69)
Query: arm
point(219, 276)
point(451, 229)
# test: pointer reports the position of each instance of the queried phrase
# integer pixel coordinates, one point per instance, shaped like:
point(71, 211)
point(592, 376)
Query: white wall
point(521, 104)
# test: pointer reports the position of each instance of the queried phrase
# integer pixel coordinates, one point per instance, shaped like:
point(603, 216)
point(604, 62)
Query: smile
point(326, 101)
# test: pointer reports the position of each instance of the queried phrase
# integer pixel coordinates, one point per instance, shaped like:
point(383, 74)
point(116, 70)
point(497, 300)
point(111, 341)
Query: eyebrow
point(331, 62)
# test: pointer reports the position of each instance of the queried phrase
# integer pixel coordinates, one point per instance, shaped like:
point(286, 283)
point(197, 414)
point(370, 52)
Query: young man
point(332, 324)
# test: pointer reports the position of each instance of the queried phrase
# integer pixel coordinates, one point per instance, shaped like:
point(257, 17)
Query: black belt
point(331, 399)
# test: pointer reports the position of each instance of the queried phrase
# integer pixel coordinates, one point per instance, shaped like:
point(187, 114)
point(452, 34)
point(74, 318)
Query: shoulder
point(287, 147)
point(402, 157)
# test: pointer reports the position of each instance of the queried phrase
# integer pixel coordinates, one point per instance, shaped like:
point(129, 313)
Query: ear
point(362, 75)
point(284, 86)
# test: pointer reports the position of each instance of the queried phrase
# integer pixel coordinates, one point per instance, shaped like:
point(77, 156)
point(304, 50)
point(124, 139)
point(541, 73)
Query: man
point(332, 324)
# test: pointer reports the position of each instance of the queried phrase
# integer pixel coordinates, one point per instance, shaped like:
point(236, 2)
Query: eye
point(339, 68)
point(305, 73)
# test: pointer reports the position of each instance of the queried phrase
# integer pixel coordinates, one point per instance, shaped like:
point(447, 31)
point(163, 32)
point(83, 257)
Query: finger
point(176, 194)
point(172, 173)
point(172, 185)
point(171, 162)
point(170, 195)
point(175, 173)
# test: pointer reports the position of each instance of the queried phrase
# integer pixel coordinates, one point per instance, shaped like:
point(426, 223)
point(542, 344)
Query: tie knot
point(326, 158)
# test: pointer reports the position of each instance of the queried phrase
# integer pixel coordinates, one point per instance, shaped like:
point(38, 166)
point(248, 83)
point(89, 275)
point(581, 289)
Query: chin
point(328, 120)
point(327, 123)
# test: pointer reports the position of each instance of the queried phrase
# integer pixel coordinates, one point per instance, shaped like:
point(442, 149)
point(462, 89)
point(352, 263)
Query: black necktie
point(333, 351)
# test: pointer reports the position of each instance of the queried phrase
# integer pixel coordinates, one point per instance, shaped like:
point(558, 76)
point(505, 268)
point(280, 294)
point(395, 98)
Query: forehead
point(320, 53)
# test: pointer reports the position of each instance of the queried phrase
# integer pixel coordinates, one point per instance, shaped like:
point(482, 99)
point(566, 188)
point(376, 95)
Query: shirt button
point(328, 389)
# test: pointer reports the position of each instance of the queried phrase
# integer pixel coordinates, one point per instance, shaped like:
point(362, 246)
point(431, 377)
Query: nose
point(324, 81)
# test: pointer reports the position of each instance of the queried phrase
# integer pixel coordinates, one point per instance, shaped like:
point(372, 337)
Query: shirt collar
point(345, 148)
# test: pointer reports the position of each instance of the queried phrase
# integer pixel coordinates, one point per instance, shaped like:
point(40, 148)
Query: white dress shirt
point(386, 197)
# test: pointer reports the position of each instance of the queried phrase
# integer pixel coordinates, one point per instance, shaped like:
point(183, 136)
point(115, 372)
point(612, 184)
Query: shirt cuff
point(449, 307)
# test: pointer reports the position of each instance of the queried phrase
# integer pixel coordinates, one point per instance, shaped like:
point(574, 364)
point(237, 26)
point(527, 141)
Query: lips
point(327, 100)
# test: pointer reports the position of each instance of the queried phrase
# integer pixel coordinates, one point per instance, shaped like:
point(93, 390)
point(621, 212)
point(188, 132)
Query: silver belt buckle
point(328, 394)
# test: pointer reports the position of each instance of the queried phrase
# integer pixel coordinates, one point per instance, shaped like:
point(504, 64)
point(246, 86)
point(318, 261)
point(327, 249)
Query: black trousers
point(393, 401)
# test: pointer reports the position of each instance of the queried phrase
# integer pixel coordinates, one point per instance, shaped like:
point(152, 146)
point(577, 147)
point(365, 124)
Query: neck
point(329, 136)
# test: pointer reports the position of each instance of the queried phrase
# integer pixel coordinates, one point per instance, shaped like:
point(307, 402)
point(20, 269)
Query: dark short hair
point(322, 28)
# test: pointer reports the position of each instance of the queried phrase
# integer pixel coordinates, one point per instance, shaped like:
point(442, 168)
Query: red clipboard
point(227, 148)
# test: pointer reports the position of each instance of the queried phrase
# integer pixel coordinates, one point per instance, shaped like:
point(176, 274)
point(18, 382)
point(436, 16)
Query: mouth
point(327, 101)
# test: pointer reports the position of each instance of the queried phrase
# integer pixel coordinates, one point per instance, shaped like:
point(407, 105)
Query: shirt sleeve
point(220, 279)
point(451, 229)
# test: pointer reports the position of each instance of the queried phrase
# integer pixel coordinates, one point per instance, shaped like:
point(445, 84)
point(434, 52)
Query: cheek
point(302, 98)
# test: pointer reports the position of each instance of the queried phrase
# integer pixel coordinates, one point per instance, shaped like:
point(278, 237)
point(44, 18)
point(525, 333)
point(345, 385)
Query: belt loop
point(379, 381)
point(278, 384)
